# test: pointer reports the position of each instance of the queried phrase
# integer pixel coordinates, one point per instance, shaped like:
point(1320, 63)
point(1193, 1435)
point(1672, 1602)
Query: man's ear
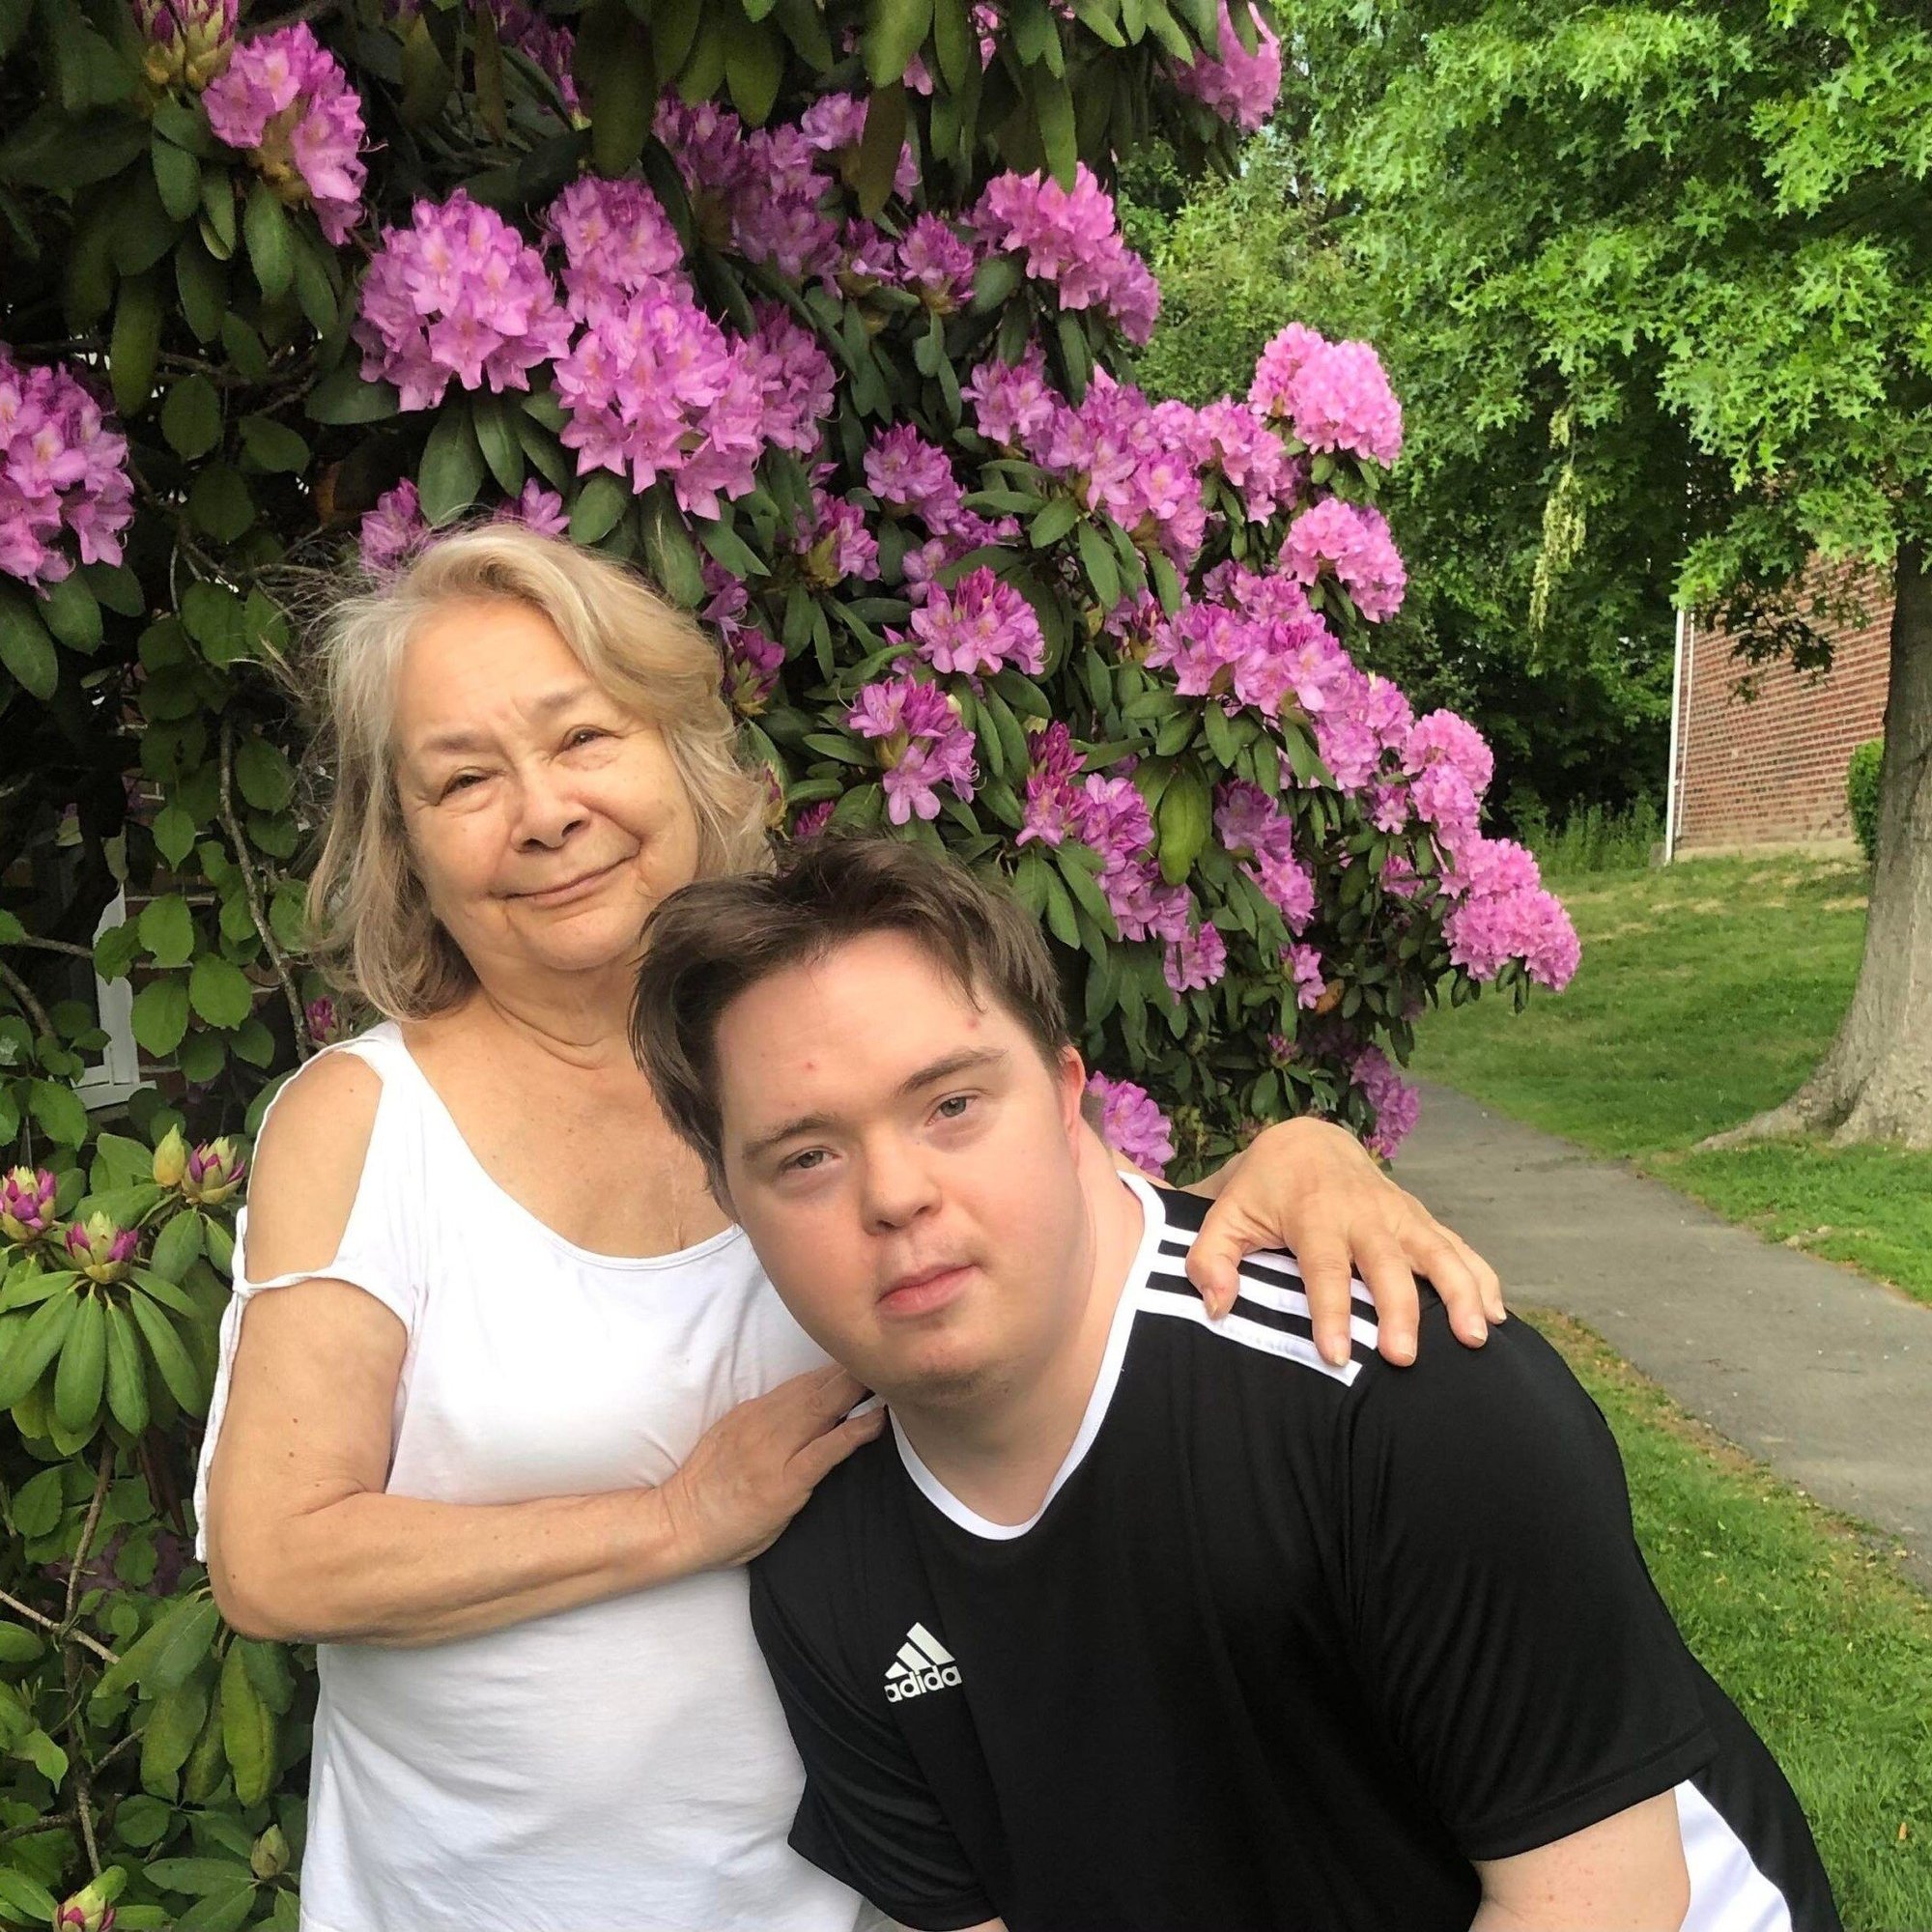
point(1070, 1074)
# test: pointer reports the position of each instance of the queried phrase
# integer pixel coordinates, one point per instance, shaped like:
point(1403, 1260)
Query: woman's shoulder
point(309, 1159)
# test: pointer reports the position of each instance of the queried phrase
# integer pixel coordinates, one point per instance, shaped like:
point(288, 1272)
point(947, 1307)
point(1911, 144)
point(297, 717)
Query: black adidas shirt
point(1288, 1646)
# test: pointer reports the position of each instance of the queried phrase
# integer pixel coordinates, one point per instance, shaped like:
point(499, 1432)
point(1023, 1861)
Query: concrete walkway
point(1821, 1374)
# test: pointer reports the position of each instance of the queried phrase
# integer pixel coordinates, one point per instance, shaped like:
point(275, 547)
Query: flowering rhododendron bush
point(815, 313)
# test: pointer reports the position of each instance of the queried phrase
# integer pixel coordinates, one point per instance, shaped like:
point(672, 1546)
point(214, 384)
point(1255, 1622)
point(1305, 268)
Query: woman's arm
point(1308, 1185)
point(303, 1542)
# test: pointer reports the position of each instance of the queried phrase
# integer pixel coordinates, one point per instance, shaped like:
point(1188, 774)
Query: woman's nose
point(546, 813)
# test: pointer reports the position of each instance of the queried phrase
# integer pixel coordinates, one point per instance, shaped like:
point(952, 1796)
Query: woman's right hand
point(754, 1467)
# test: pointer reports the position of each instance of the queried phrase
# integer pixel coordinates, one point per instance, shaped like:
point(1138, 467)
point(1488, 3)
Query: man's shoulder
point(850, 1521)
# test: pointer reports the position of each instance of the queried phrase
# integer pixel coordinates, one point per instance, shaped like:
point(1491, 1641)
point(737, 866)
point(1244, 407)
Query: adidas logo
point(923, 1664)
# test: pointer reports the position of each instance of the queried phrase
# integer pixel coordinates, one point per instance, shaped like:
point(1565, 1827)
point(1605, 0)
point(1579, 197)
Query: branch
point(40, 945)
point(24, 993)
point(83, 1779)
point(252, 891)
point(45, 1622)
point(54, 1821)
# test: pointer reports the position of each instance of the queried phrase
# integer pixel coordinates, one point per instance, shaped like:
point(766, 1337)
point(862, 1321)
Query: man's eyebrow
point(948, 1067)
point(542, 707)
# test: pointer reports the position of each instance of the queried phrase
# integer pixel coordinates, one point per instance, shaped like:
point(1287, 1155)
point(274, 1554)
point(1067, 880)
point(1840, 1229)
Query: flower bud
point(214, 1172)
point(323, 1020)
point(269, 1858)
point(187, 40)
point(171, 1159)
point(26, 1202)
point(101, 1250)
point(92, 1910)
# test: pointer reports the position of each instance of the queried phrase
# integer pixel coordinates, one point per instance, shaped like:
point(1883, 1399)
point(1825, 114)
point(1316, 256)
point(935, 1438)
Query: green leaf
point(248, 1731)
point(219, 1912)
point(30, 1344)
point(1053, 105)
point(202, 283)
point(167, 930)
point(730, 550)
point(220, 993)
point(201, 1877)
point(451, 471)
point(274, 445)
point(671, 555)
point(262, 770)
point(955, 43)
point(137, 342)
point(598, 504)
point(623, 89)
point(83, 1367)
point(1102, 572)
point(1053, 523)
point(159, 1017)
point(497, 441)
point(178, 1246)
point(126, 1372)
point(876, 166)
point(219, 502)
point(58, 1111)
point(1184, 822)
point(25, 648)
point(753, 66)
point(426, 79)
point(37, 1504)
point(73, 614)
point(191, 418)
point(169, 1734)
point(178, 176)
point(25, 1898)
point(173, 832)
point(345, 398)
point(898, 29)
point(177, 1372)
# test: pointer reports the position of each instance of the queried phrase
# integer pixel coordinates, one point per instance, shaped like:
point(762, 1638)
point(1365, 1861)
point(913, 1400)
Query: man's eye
point(959, 1102)
point(806, 1162)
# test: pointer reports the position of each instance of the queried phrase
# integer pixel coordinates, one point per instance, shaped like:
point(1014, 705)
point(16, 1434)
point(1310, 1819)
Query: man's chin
point(936, 1377)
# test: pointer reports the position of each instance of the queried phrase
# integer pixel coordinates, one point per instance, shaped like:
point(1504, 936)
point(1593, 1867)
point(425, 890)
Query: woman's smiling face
point(545, 819)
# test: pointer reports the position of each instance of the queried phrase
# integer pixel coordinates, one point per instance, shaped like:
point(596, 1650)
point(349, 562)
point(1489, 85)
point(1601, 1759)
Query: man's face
point(904, 1164)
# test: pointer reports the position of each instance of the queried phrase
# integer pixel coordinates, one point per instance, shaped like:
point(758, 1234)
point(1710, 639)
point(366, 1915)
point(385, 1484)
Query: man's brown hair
point(716, 939)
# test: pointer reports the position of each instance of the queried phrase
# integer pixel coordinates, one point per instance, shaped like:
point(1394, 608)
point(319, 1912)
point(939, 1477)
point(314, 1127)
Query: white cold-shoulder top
point(623, 1767)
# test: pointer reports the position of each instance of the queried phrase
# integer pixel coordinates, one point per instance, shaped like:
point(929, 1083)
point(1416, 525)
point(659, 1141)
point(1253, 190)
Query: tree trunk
point(1875, 1082)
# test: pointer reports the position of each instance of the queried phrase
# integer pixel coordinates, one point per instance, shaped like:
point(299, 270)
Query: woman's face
point(545, 819)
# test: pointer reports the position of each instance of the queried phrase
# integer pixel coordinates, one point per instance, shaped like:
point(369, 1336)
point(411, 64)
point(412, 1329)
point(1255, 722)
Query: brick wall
point(1771, 770)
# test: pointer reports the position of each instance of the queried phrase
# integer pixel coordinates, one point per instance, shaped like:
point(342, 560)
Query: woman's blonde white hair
point(371, 927)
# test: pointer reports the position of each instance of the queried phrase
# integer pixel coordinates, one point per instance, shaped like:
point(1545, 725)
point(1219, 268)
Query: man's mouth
point(925, 1289)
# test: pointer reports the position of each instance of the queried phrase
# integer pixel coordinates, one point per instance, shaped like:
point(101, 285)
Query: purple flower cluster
point(980, 624)
point(392, 534)
point(458, 293)
point(834, 543)
point(1195, 961)
point(1131, 1125)
point(795, 378)
point(922, 744)
point(1396, 1102)
point(1504, 913)
point(1252, 640)
point(62, 472)
point(284, 99)
point(1240, 87)
point(1304, 964)
point(1071, 239)
point(1334, 395)
point(1354, 545)
point(550, 50)
point(1013, 404)
point(1252, 826)
point(936, 264)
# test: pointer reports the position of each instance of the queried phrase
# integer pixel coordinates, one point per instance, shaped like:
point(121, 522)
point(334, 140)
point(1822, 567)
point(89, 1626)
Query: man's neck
point(1000, 1456)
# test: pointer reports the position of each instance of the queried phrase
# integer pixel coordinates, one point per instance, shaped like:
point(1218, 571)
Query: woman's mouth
point(569, 890)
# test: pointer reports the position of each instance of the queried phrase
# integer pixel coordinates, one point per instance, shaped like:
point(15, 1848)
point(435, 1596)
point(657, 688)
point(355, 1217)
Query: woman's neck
point(582, 1020)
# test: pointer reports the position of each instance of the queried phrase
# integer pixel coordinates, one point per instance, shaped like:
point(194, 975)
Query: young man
point(1136, 1620)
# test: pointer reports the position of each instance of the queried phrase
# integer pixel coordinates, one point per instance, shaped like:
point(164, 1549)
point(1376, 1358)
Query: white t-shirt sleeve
point(379, 1253)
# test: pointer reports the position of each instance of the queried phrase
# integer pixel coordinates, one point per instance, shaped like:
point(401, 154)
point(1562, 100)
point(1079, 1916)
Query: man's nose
point(896, 1186)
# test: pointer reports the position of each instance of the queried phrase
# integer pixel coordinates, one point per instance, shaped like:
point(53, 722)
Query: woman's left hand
point(1307, 1186)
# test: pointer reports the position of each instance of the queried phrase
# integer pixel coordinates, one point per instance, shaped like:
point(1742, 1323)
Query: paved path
point(1816, 1371)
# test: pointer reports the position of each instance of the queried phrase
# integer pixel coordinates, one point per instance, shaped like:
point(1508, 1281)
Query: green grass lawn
point(1707, 991)
point(1801, 1616)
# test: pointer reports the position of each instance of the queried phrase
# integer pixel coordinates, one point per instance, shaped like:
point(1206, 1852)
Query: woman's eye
point(586, 735)
point(462, 781)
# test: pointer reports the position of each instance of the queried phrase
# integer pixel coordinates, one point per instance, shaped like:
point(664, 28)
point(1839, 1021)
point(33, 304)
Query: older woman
point(521, 1401)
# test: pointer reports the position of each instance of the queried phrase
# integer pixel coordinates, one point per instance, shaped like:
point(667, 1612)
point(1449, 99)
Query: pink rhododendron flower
point(1052, 798)
point(835, 544)
point(1198, 960)
point(457, 293)
point(216, 1171)
point(1119, 458)
point(616, 240)
point(1442, 737)
point(1339, 399)
point(1253, 827)
point(813, 819)
point(1396, 1102)
point(285, 101)
point(63, 473)
point(394, 531)
point(980, 624)
point(541, 509)
point(1280, 363)
point(1229, 436)
point(835, 122)
point(922, 745)
point(936, 264)
point(1504, 914)
point(795, 379)
point(1240, 87)
point(550, 50)
point(1304, 963)
point(1354, 545)
point(912, 477)
point(1013, 404)
point(1071, 239)
point(1131, 1125)
point(324, 1020)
